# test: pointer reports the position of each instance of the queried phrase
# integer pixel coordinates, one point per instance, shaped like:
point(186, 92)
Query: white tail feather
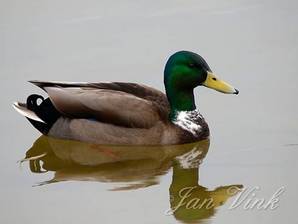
point(26, 112)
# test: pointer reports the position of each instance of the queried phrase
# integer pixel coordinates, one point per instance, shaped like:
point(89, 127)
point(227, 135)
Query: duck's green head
point(183, 72)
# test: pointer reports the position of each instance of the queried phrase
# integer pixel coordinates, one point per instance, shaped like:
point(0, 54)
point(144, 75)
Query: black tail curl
point(32, 101)
point(44, 110)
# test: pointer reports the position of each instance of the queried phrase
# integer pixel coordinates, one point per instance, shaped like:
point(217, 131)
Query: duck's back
point(105, 113)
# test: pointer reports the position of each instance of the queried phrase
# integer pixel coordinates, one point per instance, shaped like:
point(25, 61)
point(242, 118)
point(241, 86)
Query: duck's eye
point(191, 65)
point(214, 79)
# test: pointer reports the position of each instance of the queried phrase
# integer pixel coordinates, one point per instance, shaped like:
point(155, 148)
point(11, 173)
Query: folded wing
point(125, 104)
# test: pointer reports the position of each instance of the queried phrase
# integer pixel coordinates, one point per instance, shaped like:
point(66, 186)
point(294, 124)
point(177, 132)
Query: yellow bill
point(213, 82)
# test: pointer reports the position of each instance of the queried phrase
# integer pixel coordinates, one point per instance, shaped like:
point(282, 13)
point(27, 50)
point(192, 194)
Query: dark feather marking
point(45, 111)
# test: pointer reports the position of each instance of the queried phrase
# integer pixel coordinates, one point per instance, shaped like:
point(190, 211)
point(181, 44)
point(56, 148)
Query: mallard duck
point(127, 113)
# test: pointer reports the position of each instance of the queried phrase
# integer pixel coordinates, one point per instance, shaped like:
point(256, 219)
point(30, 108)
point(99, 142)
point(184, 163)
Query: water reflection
point(133, 167)
point(191, 202)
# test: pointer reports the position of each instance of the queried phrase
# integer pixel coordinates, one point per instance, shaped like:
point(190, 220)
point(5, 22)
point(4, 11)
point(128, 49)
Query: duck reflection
point(191, 202)
point(134, 167)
